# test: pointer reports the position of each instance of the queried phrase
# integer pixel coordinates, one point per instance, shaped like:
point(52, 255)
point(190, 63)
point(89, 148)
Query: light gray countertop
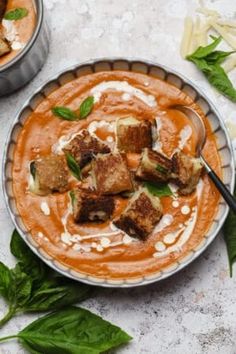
point(195, 310)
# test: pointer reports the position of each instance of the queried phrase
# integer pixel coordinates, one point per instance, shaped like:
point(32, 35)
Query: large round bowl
point(224, 149)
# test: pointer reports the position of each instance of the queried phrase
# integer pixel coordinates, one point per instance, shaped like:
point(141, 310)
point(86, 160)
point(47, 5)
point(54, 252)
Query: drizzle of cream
point(175, 203)
point(160, 246)
point(165, 221)
point(125, 87)
point(185, 210)
point(190, 224)
point(93, 126)
point(126, 97)
point(45, 208)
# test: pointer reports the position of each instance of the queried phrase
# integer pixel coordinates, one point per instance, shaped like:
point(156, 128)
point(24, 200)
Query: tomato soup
point(84, 247)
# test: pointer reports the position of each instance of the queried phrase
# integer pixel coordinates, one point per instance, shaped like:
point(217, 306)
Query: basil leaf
point(5, 280)
point(202, 52)
point(57, 293)
point(28, 262)
point(20, 288)
point(16, 14)
point(208, 62)
point(72, 331)
point(72, 197)
point(229, 230)
point(86, 107)
point(64, 113)
point(217, 57)
point(158, 189)
point(161, 169)
point(73, 166)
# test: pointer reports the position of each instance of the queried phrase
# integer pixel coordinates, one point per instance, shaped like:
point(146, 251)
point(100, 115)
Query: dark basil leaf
point(208, 62)
point(64, 113)
point(86, 107)
point(72, 197)
point(72, 331)
point(73, 166)
point(161, 169)
point(229, 230)
point(57, 293)
point(217, 57)
point(158, 189)
point(16, 14)
point(33, 169)
point(5, 280)
point(202, 52)
point(28, 262)
point(20, 287)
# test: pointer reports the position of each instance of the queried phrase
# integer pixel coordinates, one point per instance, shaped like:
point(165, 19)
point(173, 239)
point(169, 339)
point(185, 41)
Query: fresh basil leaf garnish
point(16, 14)
point(73, 166)
point(73, 330)
point(158, 189)
point(229, 230)
point(72, 197)
point(64, 113)
point(161, 169)
point(208, 61)
point(86, 107)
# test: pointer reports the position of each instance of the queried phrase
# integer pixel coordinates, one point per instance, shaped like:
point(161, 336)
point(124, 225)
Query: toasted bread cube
point(4, 47)
point(133, 135)
point(143, 212)
point(110, 174)
point(186, 173)
point(154, 167)
point(90, 206)
point(50, 174)
point(3, 5)
point(83, 147)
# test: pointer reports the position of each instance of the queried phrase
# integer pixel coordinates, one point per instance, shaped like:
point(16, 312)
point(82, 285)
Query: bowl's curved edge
point(179, 265)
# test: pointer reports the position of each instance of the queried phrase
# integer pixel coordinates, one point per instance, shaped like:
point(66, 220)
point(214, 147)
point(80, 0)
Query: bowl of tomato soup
point(24, 42)
point(87, 102)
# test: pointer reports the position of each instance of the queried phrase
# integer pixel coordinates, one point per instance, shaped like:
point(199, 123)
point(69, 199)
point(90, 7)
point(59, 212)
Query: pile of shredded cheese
point(196, 32)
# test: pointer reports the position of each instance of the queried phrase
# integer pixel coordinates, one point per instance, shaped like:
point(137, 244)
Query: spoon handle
point(228, 197)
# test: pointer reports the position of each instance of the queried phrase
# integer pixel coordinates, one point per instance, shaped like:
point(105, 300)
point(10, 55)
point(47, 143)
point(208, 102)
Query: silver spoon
point(201, 134)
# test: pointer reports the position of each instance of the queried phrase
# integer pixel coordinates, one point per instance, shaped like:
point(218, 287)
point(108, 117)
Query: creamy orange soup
point(20, 31)
point(188, 217)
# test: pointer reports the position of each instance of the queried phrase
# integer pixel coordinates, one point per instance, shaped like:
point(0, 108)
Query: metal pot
point(21, 69)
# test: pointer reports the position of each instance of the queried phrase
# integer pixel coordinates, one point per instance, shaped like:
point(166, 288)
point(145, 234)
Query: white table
point(194, 311)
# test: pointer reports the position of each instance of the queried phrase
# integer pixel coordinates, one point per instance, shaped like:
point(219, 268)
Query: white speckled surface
point(194, 311)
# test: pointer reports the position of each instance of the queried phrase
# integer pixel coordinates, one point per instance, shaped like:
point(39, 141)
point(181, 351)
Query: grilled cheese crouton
point(154, 167)
point(110, 174)
point(83, 147)
point(186, 172)
point(90, 206)
point(133, 135)
point(3, 5)
point(143, 212)
point(50, 174)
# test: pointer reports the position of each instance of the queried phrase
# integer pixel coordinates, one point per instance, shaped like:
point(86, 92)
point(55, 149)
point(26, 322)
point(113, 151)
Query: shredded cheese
point(185, 44)
point(222, 31)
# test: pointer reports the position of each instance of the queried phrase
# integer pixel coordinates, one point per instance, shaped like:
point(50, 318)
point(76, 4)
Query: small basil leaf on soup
point(86, 107)
point(158, 189)
point(32, 169)
point(73, 166)
point(72, 197)
point(161, 169)
point(64, 113)
point(16, 14)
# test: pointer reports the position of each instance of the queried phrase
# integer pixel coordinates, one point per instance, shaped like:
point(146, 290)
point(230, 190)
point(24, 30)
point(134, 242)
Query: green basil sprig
point(73, 166)
point(32, 287)
point(158, 189)
point(229, 230)
point(208, 61)
point(73, 331)
point(16, 14)
point(66, 113)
